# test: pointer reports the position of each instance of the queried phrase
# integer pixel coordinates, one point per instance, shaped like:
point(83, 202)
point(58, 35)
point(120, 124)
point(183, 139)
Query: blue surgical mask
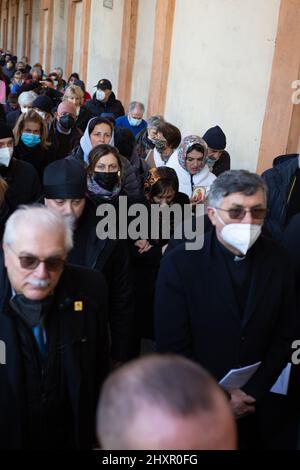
point(30, 140)
point(134, 122)
point(211, 162)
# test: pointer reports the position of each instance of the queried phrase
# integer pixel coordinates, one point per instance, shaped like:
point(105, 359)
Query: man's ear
point(211, 212)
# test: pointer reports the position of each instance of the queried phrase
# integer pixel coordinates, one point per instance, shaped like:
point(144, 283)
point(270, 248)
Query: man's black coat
point(113, 106)
point(111, 258)
point(197, 313)
point(23, 183)
point(84, 357)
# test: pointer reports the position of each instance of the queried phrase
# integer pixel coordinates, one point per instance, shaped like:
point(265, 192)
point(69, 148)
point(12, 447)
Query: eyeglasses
point(239, 213)
point(31, 262)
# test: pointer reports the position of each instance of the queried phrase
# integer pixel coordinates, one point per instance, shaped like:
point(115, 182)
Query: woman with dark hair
point(74, 76)
point(160, 188)
point(32, 146)
point(104, 174)
point(57, 81)
point(166, 141)
point(101, 131)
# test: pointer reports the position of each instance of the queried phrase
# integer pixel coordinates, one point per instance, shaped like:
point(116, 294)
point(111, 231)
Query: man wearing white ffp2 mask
point(6, 148)
point(238, 219)
point(240, 236)
point(5, 155)
point(235, 298)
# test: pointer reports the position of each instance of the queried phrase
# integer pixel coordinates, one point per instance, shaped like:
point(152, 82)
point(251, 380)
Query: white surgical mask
point(240, 236)
point(5, 155)
point(100, 95)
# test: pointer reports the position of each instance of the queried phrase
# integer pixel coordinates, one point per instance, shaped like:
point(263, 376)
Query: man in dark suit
point(232, 303)
point(65, 188)
point(54, 328)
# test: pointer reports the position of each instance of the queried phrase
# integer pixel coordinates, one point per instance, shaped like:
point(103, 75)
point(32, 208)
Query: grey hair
point(235, 181)
point(60, 70)
point(27, 98)
point(41, 216)
point(136, 104)
point(154, 121)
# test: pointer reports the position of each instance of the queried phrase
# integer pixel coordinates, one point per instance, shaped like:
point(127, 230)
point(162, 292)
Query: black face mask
point(67, 122)
point(106, 180)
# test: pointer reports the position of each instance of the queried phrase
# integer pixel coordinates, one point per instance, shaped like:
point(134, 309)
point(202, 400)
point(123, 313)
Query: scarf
point(101, 193)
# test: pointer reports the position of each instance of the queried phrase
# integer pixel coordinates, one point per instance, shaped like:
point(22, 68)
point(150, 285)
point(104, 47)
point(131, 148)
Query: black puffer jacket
point(130, 181)
point(23, 183)
point(113, 106)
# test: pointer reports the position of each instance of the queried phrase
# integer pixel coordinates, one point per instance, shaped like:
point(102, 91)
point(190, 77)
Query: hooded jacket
point(279, 180)
point(113, 105)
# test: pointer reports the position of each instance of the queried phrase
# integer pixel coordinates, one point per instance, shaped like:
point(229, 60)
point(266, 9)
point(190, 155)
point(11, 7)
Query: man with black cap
point(43, 105)
point(21, 177)
point(65, 188)
point(104, 100)
point(218, 159)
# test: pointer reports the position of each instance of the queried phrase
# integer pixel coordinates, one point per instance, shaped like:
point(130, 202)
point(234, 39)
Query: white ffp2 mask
point(5, 155)
point(100, 95)
point(239, 236)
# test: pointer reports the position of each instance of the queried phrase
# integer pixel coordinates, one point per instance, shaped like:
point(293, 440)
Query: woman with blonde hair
point(32, 146)
point(75, 94)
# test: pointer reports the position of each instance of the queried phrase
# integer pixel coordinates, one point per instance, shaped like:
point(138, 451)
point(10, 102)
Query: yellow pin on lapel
point(78, 306)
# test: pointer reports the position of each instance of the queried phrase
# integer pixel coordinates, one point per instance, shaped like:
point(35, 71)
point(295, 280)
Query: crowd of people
point(79, 309)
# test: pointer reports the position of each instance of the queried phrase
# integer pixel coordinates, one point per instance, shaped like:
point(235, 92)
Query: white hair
point(37, 215)
point(27, 98)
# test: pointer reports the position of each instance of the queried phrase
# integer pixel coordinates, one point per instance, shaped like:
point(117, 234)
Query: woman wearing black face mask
point(104, 175)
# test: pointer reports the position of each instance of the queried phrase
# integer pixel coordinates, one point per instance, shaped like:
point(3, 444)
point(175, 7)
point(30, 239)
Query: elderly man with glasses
point(232, 303)
point(54, 328)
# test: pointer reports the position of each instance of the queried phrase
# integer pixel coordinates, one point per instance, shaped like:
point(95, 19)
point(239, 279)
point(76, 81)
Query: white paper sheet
point(237, 378)
point(282, 383)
